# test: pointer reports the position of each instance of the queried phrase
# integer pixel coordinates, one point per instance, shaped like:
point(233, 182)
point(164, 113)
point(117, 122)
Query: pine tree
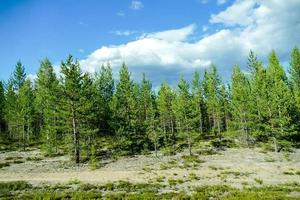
point(25, 112)
point(294, 71)
point(47, 105)
point(149, 114)
point(2, 112)
point(104, 85)
point(88, 115)
point(183, 111)
point(212, 90)
point(166, 116)
point(197, 104)
point(19, 76)
point(241, 102)
point(72, 86)
point(279, 100)
point(10, 111)
point(124, 112)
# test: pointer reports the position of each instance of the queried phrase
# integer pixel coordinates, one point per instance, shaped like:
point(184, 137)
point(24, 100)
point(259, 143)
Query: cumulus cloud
point(136, 5)
point(257, 25)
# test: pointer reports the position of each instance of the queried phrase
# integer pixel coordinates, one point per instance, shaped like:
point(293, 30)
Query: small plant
point(259, 181)
point(270, 160)
point(93, 160)
point(164, 167)
point(288, 173)
point(287, 156)
point(34, 159)
point(215, 168)
point(18, 161)
point(191, 161)
point(160, 179)
point(13, 158)
point(6, 164)
point(193, 176)
point(174, 182)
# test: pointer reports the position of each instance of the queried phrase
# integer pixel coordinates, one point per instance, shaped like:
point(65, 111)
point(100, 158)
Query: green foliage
point(47, 106)
point(78, 112)
point(2, 111)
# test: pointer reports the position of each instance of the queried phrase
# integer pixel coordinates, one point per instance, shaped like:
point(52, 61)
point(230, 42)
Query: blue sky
point(164, 38)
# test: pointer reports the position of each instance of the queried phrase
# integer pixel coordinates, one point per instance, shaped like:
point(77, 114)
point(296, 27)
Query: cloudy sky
point(163, 38)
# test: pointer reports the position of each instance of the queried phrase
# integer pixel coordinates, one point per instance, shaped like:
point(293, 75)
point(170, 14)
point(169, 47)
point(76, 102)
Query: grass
point(126, 190)
point(13, 158)
point(193, 176)
point(270, 160)
point(236, 174)
point(215, 168)
point(6, 164)
point(174, 182)
point(191, 161)
point(34, 159)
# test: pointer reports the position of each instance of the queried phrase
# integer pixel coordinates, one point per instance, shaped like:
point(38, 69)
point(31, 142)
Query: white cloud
point(136, 5)
point(124, 33)
point(120, 14)
point(220, 2)
point(262, 26)
point(240, 13)
point(173, 35)
point(204, 28)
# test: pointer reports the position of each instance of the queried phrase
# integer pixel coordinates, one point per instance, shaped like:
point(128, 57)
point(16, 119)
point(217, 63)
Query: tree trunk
point(190, 145)
point(76, 140)
point(275, 144)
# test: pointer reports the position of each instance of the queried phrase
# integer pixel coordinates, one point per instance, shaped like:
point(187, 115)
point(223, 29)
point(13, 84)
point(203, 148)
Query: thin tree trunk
point(76, 139)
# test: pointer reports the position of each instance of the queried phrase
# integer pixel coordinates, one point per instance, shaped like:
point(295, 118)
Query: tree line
point(75, 111)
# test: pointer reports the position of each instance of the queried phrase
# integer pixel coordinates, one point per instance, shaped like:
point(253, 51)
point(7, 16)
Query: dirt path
point(235, 167)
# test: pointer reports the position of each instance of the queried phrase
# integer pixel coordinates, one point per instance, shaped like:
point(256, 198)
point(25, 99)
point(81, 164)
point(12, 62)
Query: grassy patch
point(236, 174)
point(13, 158)
point(191, 161)
point(6, 164)
point(215, 168)
point(34, 159)
point(126, 190)
point(193, 176)
point(258, 180)
point(174, 182)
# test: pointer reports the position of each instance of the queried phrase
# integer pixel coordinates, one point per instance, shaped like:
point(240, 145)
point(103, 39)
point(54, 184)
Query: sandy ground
point(235, 167)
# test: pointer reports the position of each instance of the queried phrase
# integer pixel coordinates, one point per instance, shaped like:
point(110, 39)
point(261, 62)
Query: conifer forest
point(91, 118)
point(77, 113)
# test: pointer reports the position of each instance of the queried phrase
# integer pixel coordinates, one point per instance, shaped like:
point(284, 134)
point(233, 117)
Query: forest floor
point(236, 167)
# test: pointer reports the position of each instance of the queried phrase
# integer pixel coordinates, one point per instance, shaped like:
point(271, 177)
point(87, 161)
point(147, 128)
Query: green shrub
point(6, 164)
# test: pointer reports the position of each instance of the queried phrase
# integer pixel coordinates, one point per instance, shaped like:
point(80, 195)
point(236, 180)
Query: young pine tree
point(47, 105)
point(19, 76)
point(124, 112)
point(183, 112)
point(25, 112)
point(212, 90)
point(104, 86)
point(2, 111)
point(88, 116)
point(279, 119)
point(166, 116)
point(241, 102)
point(294, 71)
point(71, 105)
point(10, 111)
point(197, 104)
